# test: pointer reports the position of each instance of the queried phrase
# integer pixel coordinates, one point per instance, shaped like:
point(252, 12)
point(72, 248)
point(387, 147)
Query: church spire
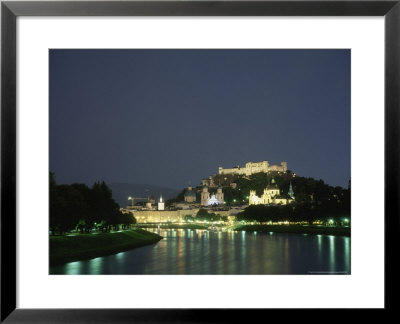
point(290, 192)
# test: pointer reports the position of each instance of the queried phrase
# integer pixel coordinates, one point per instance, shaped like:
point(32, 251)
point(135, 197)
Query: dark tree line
point(79, 207)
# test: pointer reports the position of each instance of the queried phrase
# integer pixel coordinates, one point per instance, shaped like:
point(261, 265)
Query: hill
point(306, 190)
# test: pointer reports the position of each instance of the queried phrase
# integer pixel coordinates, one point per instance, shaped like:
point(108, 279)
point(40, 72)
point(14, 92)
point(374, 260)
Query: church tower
point(205, 196)
point(220, 195)
point(290, 192)
point(161, 203)
point(270, 192)
point(253, 198)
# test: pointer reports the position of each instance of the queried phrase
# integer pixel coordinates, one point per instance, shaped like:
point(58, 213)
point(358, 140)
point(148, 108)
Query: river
point(186, 251)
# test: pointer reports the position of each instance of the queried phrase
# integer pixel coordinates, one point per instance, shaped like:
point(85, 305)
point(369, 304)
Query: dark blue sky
point(166, 117)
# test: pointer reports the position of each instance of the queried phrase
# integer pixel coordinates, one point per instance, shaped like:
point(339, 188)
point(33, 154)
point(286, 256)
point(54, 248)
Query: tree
point(81, 207)
point(67, 207)
point(202, 213)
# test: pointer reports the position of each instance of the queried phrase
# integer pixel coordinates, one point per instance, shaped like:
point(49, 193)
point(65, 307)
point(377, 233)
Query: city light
point(178, 222)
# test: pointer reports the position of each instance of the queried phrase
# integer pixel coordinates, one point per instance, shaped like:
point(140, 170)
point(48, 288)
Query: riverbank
point(176, 226)
point(296, 229)
point(78, 247)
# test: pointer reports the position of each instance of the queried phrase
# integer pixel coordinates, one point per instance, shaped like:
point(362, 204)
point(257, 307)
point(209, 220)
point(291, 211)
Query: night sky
point(167, 117)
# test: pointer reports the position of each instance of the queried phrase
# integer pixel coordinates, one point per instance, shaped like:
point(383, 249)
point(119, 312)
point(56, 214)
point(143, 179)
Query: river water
point(206, 252)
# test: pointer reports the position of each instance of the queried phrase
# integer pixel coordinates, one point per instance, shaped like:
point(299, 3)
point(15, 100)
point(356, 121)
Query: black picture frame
point(10, 10)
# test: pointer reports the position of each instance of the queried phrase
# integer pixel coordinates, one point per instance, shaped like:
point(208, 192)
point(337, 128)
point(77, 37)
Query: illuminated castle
point(254, 167)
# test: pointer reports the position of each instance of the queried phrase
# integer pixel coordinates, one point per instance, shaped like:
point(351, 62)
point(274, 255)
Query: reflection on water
point(207, 252)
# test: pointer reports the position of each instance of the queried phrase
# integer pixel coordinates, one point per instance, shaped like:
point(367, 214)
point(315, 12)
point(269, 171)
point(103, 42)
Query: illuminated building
point(271, 195)
point(216, 199)
point(205, 196)
point(208, 182)
point(254, 167)
point(190, 195)
point(220, 195)
point(161, 203)
point(212, 201)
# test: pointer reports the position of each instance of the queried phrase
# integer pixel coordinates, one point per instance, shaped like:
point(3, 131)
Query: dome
point(190, 193)
point(273, 185)
point(213, 201)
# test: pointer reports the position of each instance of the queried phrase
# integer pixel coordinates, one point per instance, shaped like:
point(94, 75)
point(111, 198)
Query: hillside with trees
point(314, 199)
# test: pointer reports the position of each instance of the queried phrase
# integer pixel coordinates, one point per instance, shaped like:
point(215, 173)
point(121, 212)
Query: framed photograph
point(161, 151)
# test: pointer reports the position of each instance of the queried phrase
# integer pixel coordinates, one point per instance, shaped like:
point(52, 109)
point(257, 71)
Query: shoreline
point(296, 229)
point(176, 226)
point(290, 229)
point(80, 247)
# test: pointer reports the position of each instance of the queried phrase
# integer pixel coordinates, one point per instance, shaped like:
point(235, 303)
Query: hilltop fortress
point(254, 167)
point(200, 197)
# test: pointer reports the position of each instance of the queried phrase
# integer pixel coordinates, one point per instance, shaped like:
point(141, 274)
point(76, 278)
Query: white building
point(216, 199)
point(254, 167)
point(161, 203)
point(271, 195)
point(212, 201)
